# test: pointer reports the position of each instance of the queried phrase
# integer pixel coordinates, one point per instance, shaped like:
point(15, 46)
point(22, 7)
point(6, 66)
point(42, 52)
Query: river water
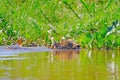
point(61, 65)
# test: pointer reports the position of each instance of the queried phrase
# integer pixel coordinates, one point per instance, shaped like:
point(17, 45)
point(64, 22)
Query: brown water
point(61, 65)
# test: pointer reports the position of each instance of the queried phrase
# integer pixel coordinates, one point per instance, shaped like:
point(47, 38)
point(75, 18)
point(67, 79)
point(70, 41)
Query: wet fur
point(65, 44)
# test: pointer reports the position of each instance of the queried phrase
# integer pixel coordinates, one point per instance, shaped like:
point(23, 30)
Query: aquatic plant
point(86, 21)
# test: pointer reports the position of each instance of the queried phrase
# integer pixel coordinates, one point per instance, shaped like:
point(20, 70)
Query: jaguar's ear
point(54, 46)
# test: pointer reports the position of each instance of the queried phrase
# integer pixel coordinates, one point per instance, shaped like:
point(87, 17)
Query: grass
point(85, 21)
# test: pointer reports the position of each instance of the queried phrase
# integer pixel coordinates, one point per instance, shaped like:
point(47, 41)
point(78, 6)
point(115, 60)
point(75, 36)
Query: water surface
point(61, 65)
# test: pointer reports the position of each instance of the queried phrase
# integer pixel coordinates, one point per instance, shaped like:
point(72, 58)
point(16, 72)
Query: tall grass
point(40, 20)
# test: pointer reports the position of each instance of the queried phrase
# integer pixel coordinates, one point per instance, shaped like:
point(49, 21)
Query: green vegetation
point(85, 21)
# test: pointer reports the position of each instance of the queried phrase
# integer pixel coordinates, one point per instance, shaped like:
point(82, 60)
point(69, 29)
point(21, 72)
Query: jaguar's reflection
point(65, 54)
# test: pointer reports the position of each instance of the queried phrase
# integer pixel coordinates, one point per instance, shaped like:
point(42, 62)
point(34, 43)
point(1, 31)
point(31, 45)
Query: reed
point(82, 20)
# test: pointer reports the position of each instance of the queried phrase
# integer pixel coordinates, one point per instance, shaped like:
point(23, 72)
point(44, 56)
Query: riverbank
point(87, 22)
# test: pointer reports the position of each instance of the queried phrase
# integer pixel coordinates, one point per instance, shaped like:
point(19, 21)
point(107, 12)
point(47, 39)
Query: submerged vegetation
point(93, 24)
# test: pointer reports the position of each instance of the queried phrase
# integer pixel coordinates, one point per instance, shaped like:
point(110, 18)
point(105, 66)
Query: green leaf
point(86, 6)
